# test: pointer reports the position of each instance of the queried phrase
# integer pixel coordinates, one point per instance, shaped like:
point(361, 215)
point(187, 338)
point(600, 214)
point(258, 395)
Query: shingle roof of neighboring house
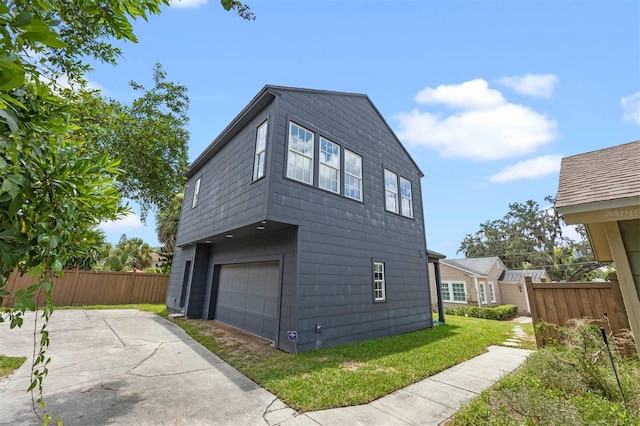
point(599, 176)
point(475, 265)
point(517, 275)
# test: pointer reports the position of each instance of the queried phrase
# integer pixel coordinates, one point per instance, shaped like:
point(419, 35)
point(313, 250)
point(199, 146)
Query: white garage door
point(248, 295)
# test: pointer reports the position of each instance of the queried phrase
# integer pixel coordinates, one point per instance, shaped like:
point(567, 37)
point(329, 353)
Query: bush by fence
point(499, 313)
point(97, 288)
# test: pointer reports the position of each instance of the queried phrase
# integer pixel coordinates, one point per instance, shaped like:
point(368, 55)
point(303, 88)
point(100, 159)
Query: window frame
point(196, 194)
point(348, 152)
point(483, 292)
point(291, 151)
point(492, 292)
point(450, 291)
point(322, 164)
point(409, 213)
point(258, 160)
point(388, 191)
point(379, 284)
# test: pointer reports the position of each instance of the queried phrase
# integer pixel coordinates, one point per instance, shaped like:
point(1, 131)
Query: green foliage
point(149, 137)
point(129, 254)
point(569, 383)
point(530, 237)
point(167, 224)
point(498, 313)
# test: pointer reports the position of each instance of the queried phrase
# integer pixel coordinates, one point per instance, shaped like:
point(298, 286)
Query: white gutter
point(475, 281)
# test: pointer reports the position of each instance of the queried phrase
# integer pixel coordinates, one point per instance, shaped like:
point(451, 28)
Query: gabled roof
point(257, 104)
point(480, 266)
point(517, 275)
point(591, 180)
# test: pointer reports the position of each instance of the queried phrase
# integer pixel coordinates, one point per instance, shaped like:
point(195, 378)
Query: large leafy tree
point(128, 254)
point(530, 237)
point(54, 188)
point(148, 136)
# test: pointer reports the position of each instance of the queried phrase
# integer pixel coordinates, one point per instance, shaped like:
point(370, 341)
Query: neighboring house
point(514, 290)
point(304, 215)
point(601, 189)
point(157, 260)
point(484, 282)
point(472, 281)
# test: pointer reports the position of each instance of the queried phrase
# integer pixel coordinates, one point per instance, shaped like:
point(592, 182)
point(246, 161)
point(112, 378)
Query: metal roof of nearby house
point(600, 176)
point(475, 265)
point(517, 275)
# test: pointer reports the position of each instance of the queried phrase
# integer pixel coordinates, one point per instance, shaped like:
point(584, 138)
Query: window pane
point(391, 191)
point(445, 292)
point(300, 158)
point(378, 281)
point(196, 193)
point(459, 294)
point(329, 173)
point(352, 175)
point(260, 155)
point(406, 197)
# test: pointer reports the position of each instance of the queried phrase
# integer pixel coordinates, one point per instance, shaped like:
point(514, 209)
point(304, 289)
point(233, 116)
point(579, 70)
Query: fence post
point(534, 308)
point(132, 289)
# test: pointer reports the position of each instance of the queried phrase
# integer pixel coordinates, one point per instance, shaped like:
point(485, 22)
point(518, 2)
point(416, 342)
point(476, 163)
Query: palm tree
point(167, 225)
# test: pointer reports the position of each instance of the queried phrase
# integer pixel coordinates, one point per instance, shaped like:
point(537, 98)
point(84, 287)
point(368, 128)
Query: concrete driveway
point(130, 367)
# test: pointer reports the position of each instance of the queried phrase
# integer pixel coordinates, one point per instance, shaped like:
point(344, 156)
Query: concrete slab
point(413, 409)
point(362, 415)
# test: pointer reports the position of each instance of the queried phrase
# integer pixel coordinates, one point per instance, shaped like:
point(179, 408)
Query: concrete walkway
point(131, 367)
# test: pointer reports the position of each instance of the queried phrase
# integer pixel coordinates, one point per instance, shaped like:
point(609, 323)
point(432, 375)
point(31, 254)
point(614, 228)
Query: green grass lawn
point(8, 364)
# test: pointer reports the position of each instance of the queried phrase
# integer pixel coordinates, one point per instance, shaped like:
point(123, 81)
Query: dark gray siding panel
point(180, 257)
point(198, 284)
point(339, 238)
point(228, 198)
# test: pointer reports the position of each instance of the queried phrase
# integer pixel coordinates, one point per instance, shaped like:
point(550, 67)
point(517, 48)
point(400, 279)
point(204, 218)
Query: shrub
point(499, 313)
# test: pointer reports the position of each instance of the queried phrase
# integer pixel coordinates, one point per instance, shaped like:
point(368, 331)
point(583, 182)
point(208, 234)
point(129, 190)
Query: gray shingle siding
point(328, 251)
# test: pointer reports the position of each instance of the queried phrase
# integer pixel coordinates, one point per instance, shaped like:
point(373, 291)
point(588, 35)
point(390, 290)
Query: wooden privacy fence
point(557, 303)
point(97, 288)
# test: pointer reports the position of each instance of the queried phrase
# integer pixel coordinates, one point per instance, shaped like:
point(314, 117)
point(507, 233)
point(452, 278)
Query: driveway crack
point(114, 332)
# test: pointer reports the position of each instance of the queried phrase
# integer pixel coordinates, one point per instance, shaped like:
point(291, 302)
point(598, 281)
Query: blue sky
point(487, 96)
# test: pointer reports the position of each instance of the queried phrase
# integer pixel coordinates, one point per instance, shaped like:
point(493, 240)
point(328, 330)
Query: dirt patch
point(235, 339)
point(352, 365)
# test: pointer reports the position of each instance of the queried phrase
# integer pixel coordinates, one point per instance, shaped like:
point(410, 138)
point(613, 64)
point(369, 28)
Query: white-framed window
point(454, 291)
point(492, 292)
point(379, 291)
point(352, 175)
point(196, 193)
point(483, 294)
point(329, 170)
point(300, 157)
point(406, 199)
point(261, 151)
point(391, 191)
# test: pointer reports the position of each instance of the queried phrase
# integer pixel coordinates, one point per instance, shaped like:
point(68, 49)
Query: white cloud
point(63, 82)
point(188, 4)
point(486, 128)
point(529, 169)
point(538, 85)
point(473, 94)
point(631, 107)
point(131, 221)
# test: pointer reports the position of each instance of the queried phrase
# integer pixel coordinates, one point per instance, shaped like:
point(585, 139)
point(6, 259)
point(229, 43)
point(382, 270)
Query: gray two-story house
point(304, 215)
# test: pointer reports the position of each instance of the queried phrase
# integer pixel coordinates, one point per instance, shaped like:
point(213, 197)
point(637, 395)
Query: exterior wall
point(339, 238)
point(180, 257)
point(515, 294)
point(493, 275)
point(228, 198)
point(447, 273)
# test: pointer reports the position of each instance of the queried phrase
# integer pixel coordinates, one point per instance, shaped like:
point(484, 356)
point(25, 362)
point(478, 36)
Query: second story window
point(300, 156)
point(261, 151)
point(329, 171)
point(196, 193)
point(406, 200)
point(391, 191)
point(352, 175)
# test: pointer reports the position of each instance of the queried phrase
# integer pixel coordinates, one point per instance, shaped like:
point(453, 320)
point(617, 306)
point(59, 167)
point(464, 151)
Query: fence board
point(557, 303)
point(76, 288)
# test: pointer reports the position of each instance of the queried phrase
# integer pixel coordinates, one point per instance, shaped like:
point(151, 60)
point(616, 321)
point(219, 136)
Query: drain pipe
point(475, 281)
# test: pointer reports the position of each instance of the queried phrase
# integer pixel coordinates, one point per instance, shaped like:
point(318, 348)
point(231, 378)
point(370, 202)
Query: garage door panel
point(248, 295)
